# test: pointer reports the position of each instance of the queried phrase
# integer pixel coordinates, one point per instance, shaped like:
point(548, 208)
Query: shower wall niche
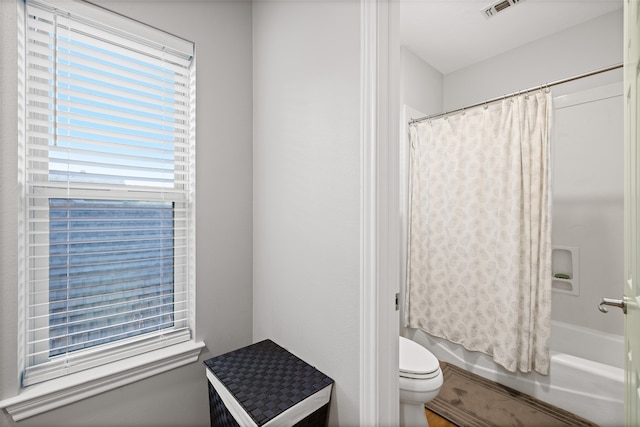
point(565, 270)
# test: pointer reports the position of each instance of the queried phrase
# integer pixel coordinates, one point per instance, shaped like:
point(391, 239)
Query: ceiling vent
point(500, 6)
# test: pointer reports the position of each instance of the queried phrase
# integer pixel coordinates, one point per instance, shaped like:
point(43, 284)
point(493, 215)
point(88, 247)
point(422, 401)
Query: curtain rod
point(547, 85)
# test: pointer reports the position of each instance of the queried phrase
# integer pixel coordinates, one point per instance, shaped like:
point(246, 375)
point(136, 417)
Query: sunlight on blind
point(116, 118)
point(109, 191)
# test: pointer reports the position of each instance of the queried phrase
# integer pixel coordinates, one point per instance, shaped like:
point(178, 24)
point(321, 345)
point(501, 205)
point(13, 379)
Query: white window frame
point(122, 369)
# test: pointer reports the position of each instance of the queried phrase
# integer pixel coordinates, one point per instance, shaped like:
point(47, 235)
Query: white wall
point(586, 47)
point(421, 85)
point(594, 222)
point(222, 33)
point(307, 188)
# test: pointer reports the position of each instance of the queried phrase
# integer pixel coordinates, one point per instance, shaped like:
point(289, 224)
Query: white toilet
point(420, 381)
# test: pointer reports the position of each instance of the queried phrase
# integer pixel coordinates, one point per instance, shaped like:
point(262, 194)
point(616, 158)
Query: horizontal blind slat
point(120, 335)
point(105, 312)
point(103, 61)
point(104, 192)
point(109, 103)
point(41, 299)
point(118, 126)
point(94, 37)
point(84, 145)
point(79, 87)
point(41, 66)
point(110, 88)
point(41, 21)
point(180, 296)
point(127, 308)
point(127, 121)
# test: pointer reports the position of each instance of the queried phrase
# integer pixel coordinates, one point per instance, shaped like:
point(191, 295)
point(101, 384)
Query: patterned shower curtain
point(479, 264)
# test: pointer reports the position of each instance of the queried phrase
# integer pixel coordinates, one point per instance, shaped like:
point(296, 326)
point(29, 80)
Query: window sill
point(53, 394)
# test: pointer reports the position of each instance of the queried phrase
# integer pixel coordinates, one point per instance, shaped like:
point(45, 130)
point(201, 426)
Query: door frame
point(380, 221)
point(632, 209)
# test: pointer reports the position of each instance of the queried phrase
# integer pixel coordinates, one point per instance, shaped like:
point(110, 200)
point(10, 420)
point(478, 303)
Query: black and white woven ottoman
point(265, 385)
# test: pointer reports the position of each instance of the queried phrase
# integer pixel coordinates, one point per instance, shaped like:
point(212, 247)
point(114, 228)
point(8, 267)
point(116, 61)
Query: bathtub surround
point(480, 230)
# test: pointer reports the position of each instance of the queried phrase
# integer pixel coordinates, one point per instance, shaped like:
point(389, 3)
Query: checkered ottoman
point(265, 385)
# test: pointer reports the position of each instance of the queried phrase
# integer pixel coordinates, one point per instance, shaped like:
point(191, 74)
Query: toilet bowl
point(420, 381)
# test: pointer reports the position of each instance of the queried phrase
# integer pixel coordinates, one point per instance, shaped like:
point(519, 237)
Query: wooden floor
point(435, 420)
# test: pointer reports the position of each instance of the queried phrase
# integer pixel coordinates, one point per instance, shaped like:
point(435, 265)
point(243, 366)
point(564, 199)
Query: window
point(107, 180)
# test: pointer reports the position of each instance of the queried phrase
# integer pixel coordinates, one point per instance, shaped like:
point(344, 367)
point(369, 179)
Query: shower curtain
point(479, 263)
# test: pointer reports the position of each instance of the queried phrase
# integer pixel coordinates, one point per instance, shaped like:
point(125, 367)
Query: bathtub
point(586, 375)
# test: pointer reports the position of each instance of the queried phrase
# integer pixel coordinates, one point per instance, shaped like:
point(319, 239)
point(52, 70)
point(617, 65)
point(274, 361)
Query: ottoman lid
point(266, 379)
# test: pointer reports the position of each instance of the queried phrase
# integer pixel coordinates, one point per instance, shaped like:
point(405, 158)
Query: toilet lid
point(416, 361)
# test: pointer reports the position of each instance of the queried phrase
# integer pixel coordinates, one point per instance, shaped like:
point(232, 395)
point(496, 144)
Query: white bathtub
point(586, 375)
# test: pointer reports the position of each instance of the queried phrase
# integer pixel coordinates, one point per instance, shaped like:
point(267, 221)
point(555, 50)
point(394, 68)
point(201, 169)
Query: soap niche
point(565, 270)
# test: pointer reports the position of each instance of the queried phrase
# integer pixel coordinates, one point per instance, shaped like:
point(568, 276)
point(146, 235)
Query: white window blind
point(107, 249)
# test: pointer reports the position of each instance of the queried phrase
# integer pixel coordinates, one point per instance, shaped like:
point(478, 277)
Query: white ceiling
point(453, 34)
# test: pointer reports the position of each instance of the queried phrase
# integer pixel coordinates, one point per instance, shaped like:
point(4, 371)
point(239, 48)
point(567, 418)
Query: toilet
point(420, 381)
